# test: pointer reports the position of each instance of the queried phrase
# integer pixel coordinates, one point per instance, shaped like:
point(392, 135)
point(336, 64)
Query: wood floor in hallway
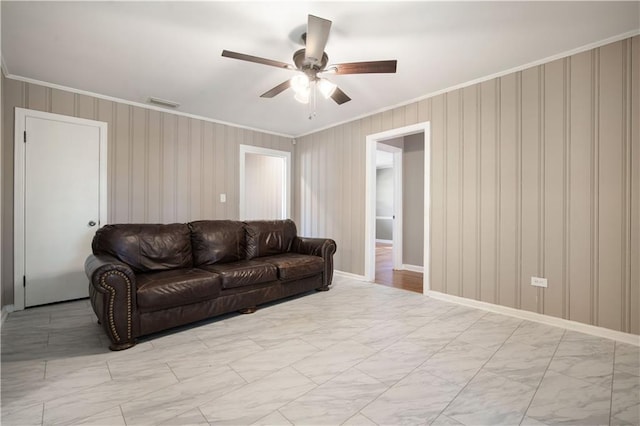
point(385, 275)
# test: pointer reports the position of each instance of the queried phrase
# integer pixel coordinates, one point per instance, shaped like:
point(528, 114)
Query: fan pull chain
point(312, 113)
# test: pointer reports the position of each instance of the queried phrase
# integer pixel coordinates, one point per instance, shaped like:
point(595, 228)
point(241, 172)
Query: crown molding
point(133, 103)
point(548, 59)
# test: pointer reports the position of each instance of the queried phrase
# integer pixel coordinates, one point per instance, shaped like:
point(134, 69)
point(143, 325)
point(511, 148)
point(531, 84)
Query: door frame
point(21, 115)
point(396, 224)
point(370, 197)
point(286, 156)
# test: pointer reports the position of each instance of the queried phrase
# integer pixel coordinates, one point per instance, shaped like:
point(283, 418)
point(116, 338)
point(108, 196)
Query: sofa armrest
point(112, 289)
point(323, 247)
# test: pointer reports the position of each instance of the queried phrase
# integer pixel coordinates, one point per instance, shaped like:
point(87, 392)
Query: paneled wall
point(532, 174)
point(162, 167)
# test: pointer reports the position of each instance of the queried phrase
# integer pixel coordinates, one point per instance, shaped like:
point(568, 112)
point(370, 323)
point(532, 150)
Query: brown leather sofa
point(146, 278)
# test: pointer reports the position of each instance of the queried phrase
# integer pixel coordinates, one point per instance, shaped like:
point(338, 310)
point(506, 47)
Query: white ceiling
point(171, 50)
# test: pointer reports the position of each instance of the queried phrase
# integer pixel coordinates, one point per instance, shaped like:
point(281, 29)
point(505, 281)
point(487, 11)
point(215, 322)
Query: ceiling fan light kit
point(302, 87)
point(311, 61)
point(326, 87)
point(300, 83)
point(302, 96)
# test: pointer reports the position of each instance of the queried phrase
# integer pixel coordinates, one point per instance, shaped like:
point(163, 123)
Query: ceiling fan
point(311, 61)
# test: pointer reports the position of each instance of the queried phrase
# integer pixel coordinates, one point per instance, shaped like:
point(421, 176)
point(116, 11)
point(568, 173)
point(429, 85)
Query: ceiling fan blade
point(317, 36)
point(339, 96)
point(366, 67)
point(256, 59)
point(276, 90)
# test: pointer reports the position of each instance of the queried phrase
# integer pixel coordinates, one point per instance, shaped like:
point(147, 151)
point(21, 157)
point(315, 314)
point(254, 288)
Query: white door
point(62, 211)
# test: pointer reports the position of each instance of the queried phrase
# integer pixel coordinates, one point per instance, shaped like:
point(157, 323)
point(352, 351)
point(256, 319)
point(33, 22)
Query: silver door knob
point(92, 223)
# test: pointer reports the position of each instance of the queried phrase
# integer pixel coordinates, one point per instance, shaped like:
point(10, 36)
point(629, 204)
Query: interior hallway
point(406, 280)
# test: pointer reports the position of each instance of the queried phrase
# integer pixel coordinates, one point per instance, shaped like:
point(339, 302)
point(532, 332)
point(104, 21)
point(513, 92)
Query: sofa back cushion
point(217, 241)
point(269, 237)
point(146, 247)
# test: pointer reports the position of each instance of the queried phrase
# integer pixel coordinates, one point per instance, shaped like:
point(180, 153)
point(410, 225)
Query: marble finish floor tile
point(625, 400)
point(490, 399)
point(536, 334)
point(252, 402)
point(419, 398)
point(457, 362)
point(260, 364)
point(488, 334)
point(627, 359)
point(190, 418)
point(73, 407)
point(326, 364)
point(443, 420)
point(273, 419)
point(324, 337)
point(359, 420)
point(593, 368)
point(396, 361)
point(25, 415)
point(171, 401)
point(335, 401)
point(520, 362)
point(111, 417)
point(562, 399)
point(385, 335)
point(360, 354)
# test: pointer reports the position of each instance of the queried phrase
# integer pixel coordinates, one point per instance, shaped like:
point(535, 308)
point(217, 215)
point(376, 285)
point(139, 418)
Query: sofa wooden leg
point(249, 310)
point(324, 288)
point(122, 346)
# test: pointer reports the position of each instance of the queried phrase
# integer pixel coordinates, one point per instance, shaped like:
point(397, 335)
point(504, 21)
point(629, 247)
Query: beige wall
point(161, 167)
point(533, 173)
point(413, 200)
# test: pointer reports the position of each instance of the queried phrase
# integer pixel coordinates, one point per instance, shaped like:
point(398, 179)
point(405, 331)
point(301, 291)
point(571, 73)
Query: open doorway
point(389, 201)
point(401, 260)
point(265, 183)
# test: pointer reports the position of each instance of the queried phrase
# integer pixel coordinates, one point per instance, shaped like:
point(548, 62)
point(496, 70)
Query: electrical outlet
point(539, 282)
point(223, 198)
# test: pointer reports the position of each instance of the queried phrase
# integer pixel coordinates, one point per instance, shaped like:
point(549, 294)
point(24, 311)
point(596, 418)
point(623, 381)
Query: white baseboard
point(631, 339)
point(349, 275)
point(6, 309)
point(413, 268)
point(384, 241)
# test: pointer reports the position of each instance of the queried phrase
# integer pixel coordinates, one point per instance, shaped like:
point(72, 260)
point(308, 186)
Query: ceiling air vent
point(164, 102)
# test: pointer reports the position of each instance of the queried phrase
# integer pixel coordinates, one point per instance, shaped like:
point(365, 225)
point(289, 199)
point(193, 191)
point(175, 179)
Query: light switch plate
point(539, 282)
point(223, 198)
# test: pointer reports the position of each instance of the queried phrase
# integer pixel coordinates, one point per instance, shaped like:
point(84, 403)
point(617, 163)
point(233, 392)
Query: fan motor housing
point(308, 66)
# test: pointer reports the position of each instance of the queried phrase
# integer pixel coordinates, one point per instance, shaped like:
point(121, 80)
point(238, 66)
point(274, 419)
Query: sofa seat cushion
point(292, 266)
point(167, 289)
point(243, 273)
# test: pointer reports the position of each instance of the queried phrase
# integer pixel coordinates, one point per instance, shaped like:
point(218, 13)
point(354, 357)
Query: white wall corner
point(593, 330)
